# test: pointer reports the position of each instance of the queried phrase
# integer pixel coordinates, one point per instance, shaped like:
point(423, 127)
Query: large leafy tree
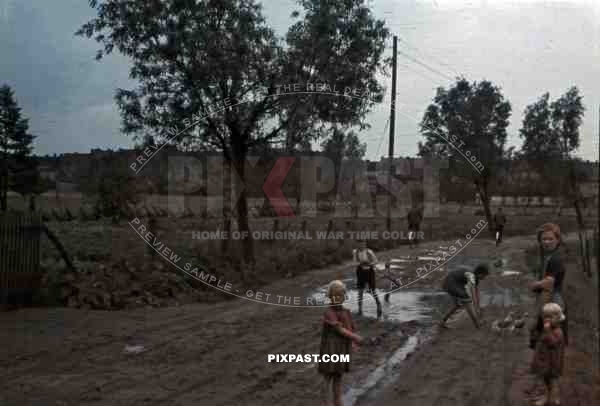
point(16, 144)
point(341, 145)
point(467, 124)
point(539, 138)
point(190, 56)
point(110, 185)
point(550, 133)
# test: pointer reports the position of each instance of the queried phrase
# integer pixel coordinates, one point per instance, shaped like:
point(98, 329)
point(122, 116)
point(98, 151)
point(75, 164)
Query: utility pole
point(596, 240)
point(391, 142)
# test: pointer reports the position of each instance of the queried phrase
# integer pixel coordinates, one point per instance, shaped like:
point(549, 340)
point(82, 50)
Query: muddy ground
point(216, 354)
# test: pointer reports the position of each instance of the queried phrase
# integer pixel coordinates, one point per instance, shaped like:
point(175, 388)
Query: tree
point(16, 143)
point(539, 138)
point(194, 56)
point(340, 145)
point(469, 119)
point(550, 135)
point(110, 185)
point(26, 181)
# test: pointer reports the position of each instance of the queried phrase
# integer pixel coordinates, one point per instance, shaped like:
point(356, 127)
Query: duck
point(496, 327)
point(520, 323)
point(508, 321)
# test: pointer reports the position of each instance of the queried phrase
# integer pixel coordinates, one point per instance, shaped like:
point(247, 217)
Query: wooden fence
point(19, 255)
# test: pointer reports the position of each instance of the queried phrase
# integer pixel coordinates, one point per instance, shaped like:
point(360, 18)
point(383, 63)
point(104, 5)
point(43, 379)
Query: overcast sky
point(526, 47)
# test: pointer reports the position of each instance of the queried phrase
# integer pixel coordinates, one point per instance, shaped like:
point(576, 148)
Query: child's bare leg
point(337, 391)
point(471, 311)
point(360, 301)
point(537, 387)
point(449, 314)
point(542, 401)
point(554, 393)
point(325, 390)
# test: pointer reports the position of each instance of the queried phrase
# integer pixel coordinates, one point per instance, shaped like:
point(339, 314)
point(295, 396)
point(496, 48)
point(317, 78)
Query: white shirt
point(364, 257)
point(470, 286)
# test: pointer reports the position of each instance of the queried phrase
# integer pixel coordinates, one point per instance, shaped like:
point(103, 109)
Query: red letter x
point(272, 186)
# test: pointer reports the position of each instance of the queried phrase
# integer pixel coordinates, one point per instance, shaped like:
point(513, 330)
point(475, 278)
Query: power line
point(437, 72)
point(431, 57)
point(418, 73)
point(425, 65)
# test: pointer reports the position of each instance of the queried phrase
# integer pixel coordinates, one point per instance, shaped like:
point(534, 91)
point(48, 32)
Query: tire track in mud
point(158, 346)
point(123, 337)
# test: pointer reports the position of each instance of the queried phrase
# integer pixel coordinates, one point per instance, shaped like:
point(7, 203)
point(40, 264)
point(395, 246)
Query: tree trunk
point(226, 212)
point(239, 158)
point(576, 196)
point(585, 255)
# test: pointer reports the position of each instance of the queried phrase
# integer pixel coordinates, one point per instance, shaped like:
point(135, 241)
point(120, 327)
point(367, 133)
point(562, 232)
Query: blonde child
point(548, 360)
point(337, 337)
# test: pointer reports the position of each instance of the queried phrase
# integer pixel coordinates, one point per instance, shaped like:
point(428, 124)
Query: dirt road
point(217, 354)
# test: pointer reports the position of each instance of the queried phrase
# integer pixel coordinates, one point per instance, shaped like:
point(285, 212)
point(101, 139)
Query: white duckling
point(508, 321)
point(520, 323)
point(496, 327)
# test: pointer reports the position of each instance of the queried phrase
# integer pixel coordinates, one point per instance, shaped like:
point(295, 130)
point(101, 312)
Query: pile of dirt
point(121, 285)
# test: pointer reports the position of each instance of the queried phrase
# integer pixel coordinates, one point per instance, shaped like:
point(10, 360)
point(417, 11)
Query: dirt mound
point(120, 285)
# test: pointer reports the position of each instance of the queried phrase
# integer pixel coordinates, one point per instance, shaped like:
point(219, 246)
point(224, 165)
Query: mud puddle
point(408, 313)
point(419, 308)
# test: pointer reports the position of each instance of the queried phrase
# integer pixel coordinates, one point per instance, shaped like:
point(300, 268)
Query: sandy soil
point(217, 354)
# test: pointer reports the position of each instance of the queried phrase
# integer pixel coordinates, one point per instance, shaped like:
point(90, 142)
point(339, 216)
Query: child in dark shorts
point(365, 275)
point(463, 286)
point(337, 337)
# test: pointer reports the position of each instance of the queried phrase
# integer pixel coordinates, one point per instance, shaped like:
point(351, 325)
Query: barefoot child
point(337, 337)
point(365, 275)
point(463, 286)
point(548, 360)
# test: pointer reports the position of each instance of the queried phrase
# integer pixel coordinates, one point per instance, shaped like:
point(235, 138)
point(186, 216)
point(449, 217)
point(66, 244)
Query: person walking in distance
point(365, 275)
point(499, 222)
point(415, 216)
